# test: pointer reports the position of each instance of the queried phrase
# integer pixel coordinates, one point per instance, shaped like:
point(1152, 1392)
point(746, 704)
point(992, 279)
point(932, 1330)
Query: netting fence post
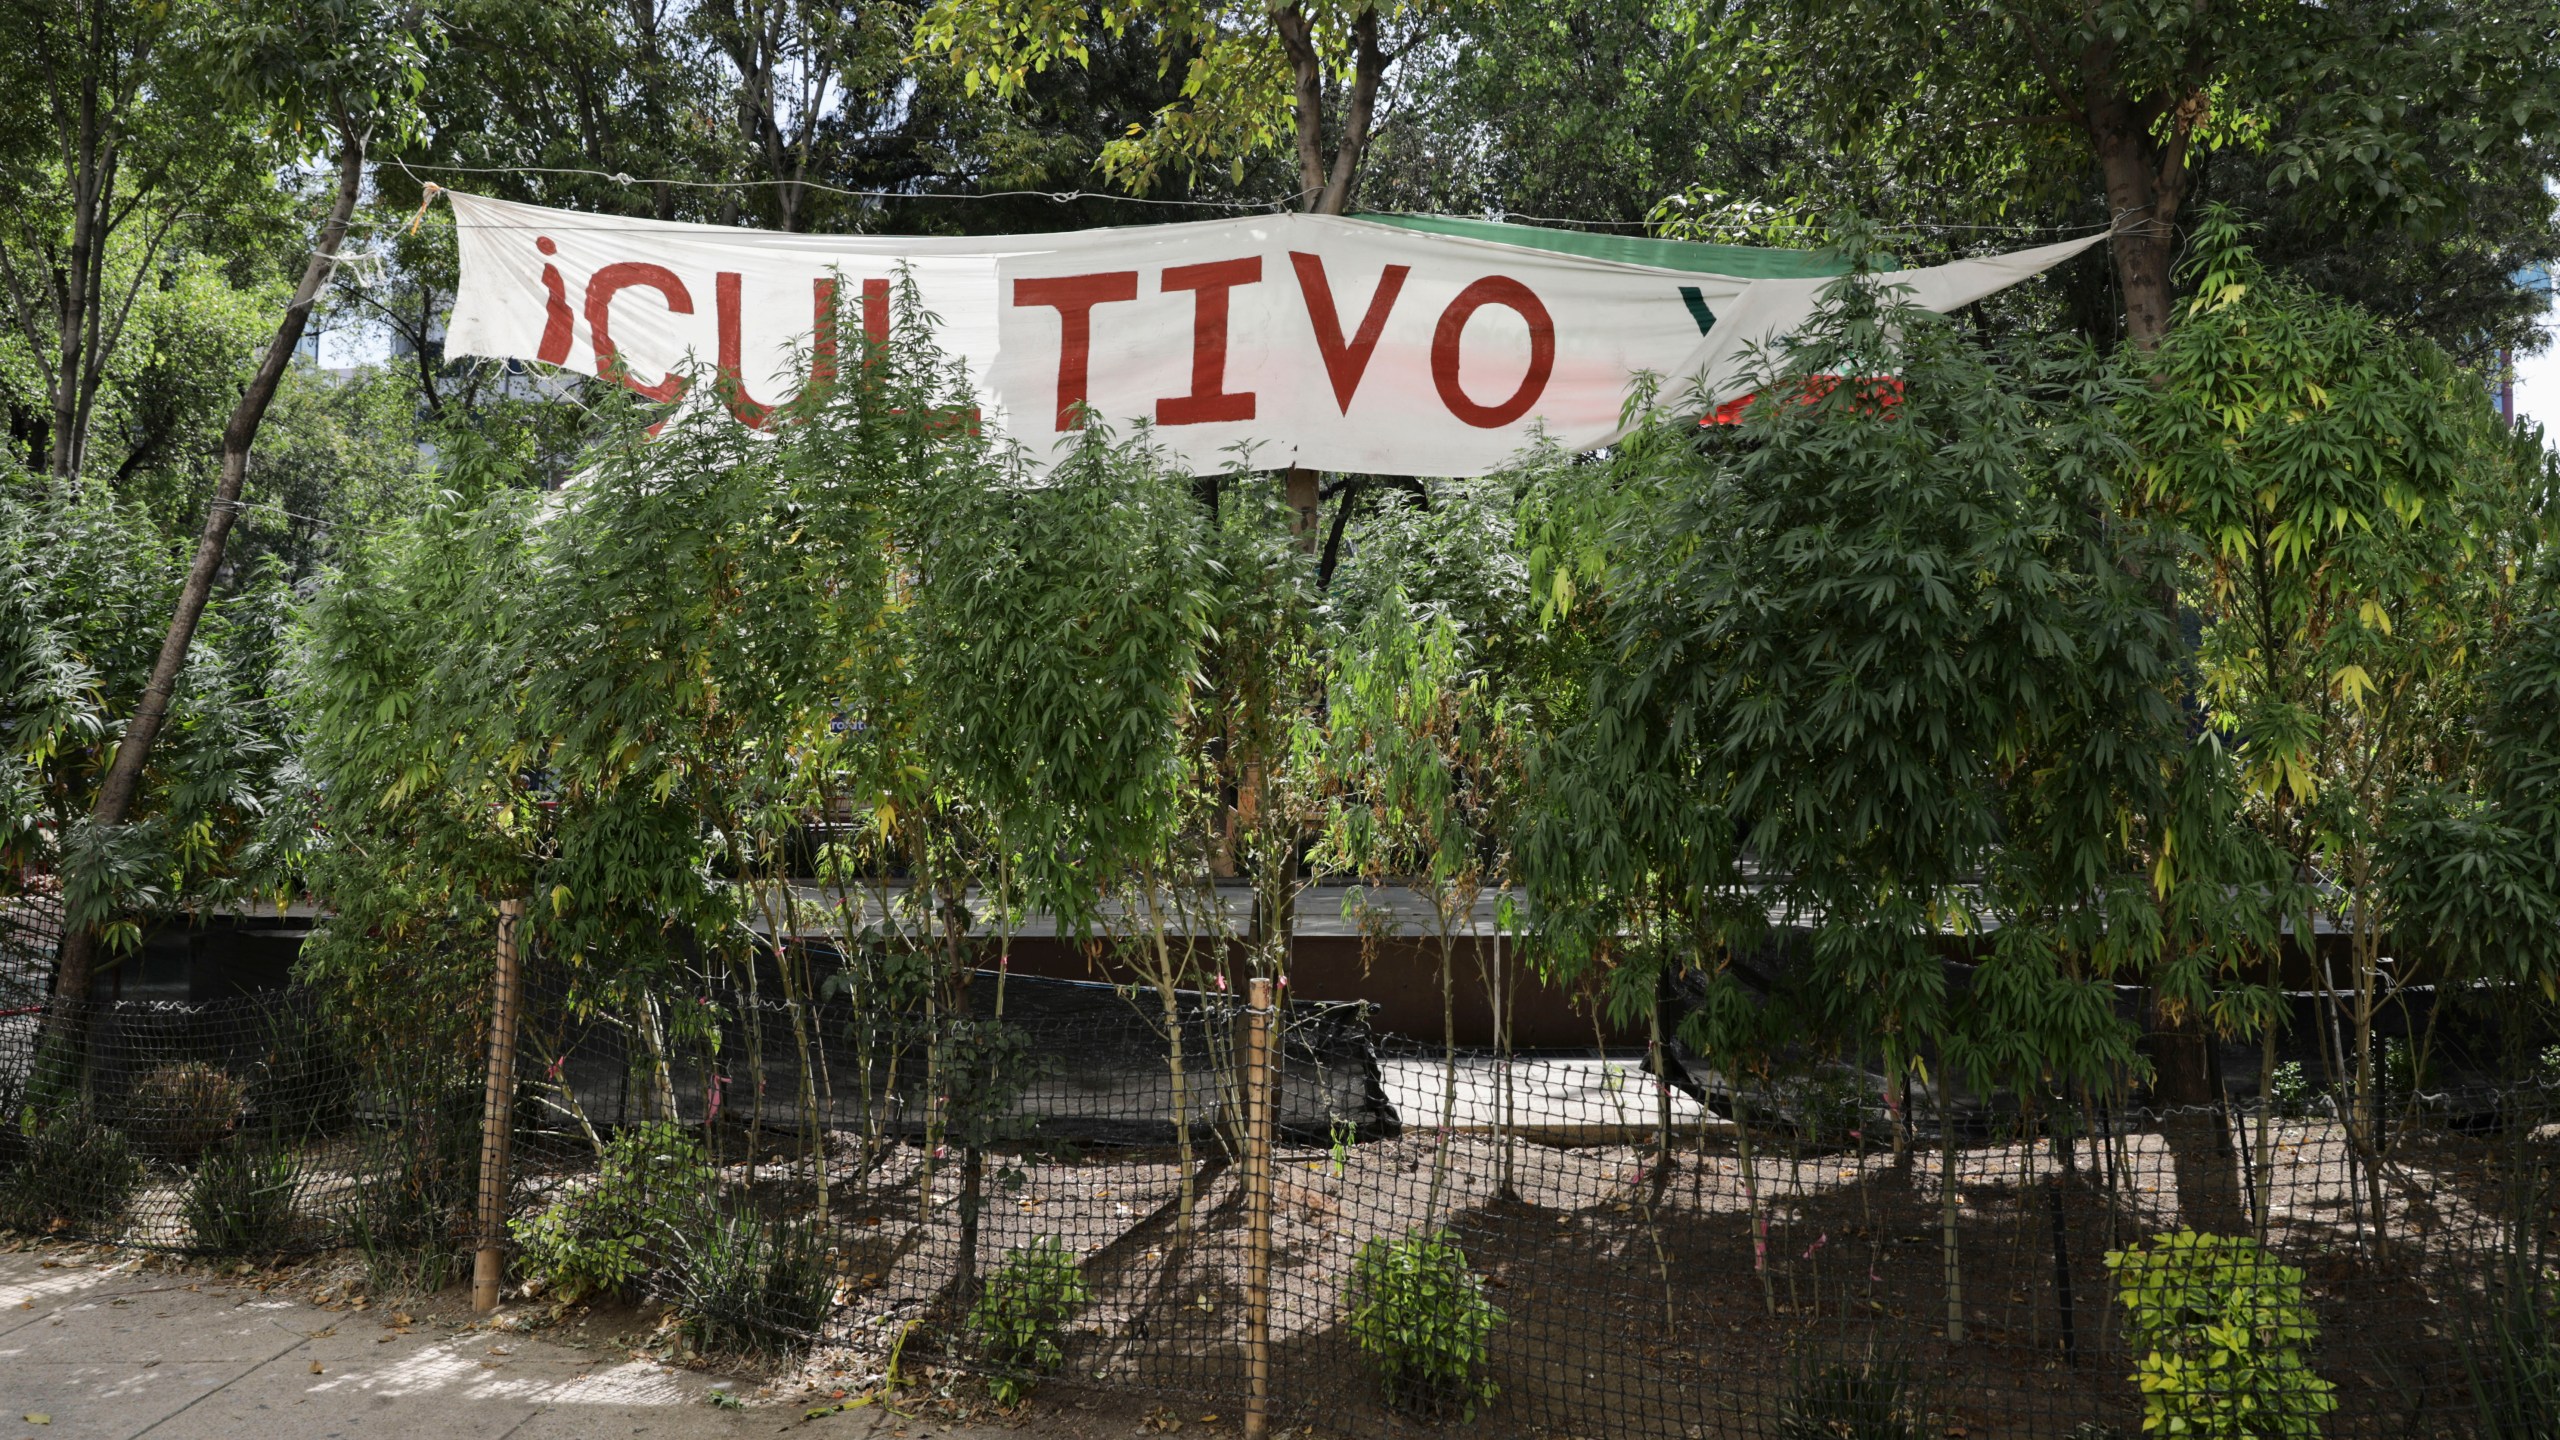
point(497, 1114)
point(1259, 1105)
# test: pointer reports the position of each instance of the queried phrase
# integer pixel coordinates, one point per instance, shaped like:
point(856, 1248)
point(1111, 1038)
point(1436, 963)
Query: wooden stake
point(1258, 1107)
point(498, 1113)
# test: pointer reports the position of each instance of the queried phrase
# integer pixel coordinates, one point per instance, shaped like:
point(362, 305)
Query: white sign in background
point(1331, 343)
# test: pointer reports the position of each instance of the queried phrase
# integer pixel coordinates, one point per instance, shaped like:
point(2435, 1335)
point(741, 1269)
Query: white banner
point(1336, 344)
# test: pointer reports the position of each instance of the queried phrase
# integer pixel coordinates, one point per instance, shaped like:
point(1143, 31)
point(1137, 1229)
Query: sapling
point(1417, 755)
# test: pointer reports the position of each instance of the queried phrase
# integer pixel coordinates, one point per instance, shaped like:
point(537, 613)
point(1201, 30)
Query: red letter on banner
point(555, 310)
point(822, 359)
point(1209, 399)
point(875, 312)
point(613, 280)
point(1345, 364)
point(1493, 290)
point(1074, 297)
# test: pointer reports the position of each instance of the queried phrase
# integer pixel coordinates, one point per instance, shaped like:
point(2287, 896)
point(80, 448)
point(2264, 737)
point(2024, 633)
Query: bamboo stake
point(1259, 1105)
point(497, 1115)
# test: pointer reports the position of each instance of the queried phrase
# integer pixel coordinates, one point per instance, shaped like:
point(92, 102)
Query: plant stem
point(1947, 1210)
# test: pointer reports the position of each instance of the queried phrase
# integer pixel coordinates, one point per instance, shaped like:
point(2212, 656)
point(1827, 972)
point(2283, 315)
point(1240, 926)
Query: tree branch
point(1369, 67)
point(1297, 37)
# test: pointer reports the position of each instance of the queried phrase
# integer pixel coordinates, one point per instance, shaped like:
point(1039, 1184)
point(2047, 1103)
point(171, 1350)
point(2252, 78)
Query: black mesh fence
point(1549, 1244)
point(242, 1126)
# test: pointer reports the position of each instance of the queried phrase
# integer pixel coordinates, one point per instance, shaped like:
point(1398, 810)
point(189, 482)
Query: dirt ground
point(1690, 1302)
point(1687, 1300)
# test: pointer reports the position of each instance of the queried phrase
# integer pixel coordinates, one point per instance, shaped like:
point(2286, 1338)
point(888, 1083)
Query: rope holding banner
point(426, 197)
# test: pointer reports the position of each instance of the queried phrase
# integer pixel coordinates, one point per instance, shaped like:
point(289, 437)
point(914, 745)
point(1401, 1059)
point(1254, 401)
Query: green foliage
point(1418, 1311)
point(2512, 1359)
point(1058, 638)
point(1239, 69)
point(738, 71)
point(2393, 140)
point(1554, 107)
point(72, 1172)
point(117, 141)
point(1418, 752)
point(983, 1066)
point(2223, 1334)
point(240, 1199)
point(745, 1284)
point(2361, 517)
point(1022, 1313)
point(1867, 1400)
point(1889, 660)
point(1444, 548)
point(325, 73)
point(178, 1111)
point(602, 1237)
point(2292, 1093)
point(2323, 462)
point(81, 577)
point(2469, 858)
point(427, 1153)
point(621, 700)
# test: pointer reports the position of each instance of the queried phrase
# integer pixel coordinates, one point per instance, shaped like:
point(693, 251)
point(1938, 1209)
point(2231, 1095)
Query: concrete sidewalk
point(115, 1352)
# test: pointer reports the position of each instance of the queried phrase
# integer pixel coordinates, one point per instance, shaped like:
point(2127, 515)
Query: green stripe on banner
point(1698, 310)
point(1745, 262)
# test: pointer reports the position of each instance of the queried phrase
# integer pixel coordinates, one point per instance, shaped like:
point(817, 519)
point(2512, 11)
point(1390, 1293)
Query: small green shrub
point(1019, 1317)
point(2224, 1337)
point(744, 1284)
point(2292, 1092)
point(1419, 1312)
point(2402, 1077)
point(1866, 1400)
point(1828, 1107)
point(73, 1173)
point(179, 1111)
point(240, 1200)
point(605, 1237)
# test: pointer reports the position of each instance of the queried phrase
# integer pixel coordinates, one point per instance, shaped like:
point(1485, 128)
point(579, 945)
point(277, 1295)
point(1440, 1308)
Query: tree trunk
point(1297, 37)
point(2199, 1143)
point(1304, 497)
point(1368, 68)
point(1323, 190)
point(2144, 243)
point(133, 749)
point(87, 180)
point(2146, 178)
point(2145, 172)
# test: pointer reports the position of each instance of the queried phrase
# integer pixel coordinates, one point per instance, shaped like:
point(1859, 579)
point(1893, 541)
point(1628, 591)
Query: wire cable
point(1277, 204)
point(1061, 197)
